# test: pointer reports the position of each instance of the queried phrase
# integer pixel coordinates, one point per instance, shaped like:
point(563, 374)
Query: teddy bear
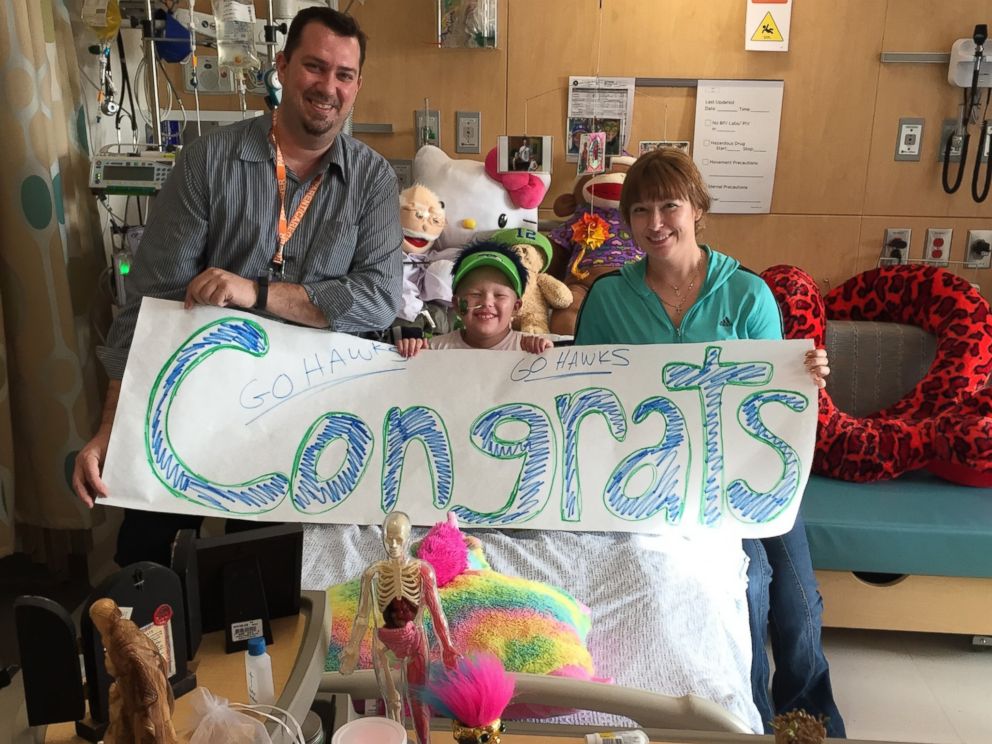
point(543, 292)
point(594, 237)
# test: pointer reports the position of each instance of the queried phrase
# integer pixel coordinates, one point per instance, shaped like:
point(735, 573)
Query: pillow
point(945, 422)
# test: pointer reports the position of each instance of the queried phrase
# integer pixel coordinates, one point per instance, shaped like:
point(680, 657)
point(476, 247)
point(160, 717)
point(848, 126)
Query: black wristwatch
point(263, 292)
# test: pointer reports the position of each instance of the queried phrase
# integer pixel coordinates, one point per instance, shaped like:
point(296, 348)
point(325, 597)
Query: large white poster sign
point(225, 413)
point(736, 142)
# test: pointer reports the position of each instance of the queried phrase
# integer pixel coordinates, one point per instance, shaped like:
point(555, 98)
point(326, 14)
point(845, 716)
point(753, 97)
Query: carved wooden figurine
point(141, 701)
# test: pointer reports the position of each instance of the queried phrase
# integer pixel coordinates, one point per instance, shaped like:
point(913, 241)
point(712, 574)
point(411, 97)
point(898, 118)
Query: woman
point(686, 293)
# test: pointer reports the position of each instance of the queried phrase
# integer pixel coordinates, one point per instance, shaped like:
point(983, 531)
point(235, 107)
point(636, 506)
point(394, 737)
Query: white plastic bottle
point(632, 736)
point(236, 34)
point(258, 670)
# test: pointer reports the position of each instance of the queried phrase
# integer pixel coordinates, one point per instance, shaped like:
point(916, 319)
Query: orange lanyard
point(287, 227)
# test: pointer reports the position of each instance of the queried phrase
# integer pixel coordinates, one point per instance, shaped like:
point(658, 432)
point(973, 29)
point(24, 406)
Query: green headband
point(493, 259)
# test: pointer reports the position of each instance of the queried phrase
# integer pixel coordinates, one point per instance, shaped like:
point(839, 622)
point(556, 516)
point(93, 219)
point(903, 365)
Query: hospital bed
point(669, 620)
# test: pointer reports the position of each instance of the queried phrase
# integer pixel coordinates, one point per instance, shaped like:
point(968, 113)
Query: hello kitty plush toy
point(477, 200)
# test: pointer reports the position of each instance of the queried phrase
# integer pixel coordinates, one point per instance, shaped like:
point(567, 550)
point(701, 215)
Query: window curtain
point(52, 263)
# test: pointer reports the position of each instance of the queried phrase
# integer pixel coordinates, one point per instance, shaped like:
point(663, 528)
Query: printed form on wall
point(736, 142)
point(599, 104)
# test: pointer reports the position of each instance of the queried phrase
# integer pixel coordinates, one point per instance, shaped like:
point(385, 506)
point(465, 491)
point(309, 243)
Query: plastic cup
point(369, 730)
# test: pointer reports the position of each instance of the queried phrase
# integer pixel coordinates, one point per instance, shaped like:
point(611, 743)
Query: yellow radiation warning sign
point(767, 30)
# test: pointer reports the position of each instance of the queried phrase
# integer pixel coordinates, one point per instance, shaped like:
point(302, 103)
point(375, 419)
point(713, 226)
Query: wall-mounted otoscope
point(960, 139)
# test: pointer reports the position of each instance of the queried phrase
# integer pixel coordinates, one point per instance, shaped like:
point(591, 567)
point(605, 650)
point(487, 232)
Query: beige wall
point(837, 186)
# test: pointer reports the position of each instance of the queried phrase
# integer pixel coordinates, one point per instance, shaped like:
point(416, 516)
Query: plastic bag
point(218, 722)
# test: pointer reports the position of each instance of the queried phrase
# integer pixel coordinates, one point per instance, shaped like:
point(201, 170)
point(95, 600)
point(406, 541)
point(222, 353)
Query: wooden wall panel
point(837, 185)
point(912, 188)
point(931, 25)
point(823, 151)
point(825, 246)
point(404, 66)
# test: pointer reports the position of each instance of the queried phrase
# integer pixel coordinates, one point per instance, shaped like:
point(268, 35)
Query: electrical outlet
point(937, 248)
point(468, 131)
point(978, 254)
point(895, 249)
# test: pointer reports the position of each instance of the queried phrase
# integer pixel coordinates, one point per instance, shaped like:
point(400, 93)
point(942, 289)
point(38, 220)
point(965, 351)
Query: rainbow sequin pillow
point(532, 627)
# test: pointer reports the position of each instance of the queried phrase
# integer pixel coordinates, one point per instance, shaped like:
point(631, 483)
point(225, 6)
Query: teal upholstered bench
point(914, 553)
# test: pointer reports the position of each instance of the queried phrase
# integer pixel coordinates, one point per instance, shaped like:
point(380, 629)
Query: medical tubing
point(126, 85)
point(980, 196)
point(948, 146)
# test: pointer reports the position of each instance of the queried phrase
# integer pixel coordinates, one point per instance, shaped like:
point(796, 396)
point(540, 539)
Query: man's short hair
point(340, 23)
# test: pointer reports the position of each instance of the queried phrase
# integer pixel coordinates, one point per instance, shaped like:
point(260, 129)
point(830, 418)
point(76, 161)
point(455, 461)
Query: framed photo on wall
point(523, 153)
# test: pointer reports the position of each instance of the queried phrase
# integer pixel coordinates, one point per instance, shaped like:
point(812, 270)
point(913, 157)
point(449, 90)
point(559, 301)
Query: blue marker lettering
point(423, 425)
point(667, 491)
point(251, 497)
point(758, 507)
point(312, 494)
point(710, 379)
point(572, 409)
point(533, 485)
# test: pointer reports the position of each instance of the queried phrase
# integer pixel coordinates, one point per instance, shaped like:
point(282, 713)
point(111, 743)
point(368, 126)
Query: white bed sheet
point(669, 613)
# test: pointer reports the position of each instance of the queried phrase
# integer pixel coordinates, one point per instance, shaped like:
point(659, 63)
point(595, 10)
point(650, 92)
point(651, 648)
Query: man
point(522, 158)
point(215, 236)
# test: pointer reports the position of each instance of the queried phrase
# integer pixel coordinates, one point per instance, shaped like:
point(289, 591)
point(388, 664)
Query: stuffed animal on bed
point(594, 237)
point(530, 626)
point(543, 292)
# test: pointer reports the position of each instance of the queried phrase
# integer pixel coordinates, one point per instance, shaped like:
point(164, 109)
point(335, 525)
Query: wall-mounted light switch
point(468, 131)
point(910, 139)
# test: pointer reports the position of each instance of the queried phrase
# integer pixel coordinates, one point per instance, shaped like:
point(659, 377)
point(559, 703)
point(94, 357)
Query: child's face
point(488, 301)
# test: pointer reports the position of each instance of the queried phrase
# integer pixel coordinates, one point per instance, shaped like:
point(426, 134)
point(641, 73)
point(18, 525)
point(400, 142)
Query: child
point(488, 282)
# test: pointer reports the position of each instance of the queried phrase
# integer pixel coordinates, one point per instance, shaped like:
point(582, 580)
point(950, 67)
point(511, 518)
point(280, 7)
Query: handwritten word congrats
point(223, 412)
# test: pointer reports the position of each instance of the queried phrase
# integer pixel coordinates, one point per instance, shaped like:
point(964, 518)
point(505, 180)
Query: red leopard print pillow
point(945, 422)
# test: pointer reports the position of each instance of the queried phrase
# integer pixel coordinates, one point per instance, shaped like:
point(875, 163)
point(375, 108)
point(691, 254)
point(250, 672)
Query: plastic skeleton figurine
point(394, 593)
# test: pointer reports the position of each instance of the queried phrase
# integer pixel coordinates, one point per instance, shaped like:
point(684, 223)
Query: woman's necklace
point(681, 297)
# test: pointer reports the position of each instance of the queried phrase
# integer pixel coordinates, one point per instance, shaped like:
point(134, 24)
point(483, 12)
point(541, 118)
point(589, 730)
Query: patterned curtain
point(51, 261)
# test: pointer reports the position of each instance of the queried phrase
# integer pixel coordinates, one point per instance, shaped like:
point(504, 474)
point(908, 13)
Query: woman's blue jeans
point(785, 605)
